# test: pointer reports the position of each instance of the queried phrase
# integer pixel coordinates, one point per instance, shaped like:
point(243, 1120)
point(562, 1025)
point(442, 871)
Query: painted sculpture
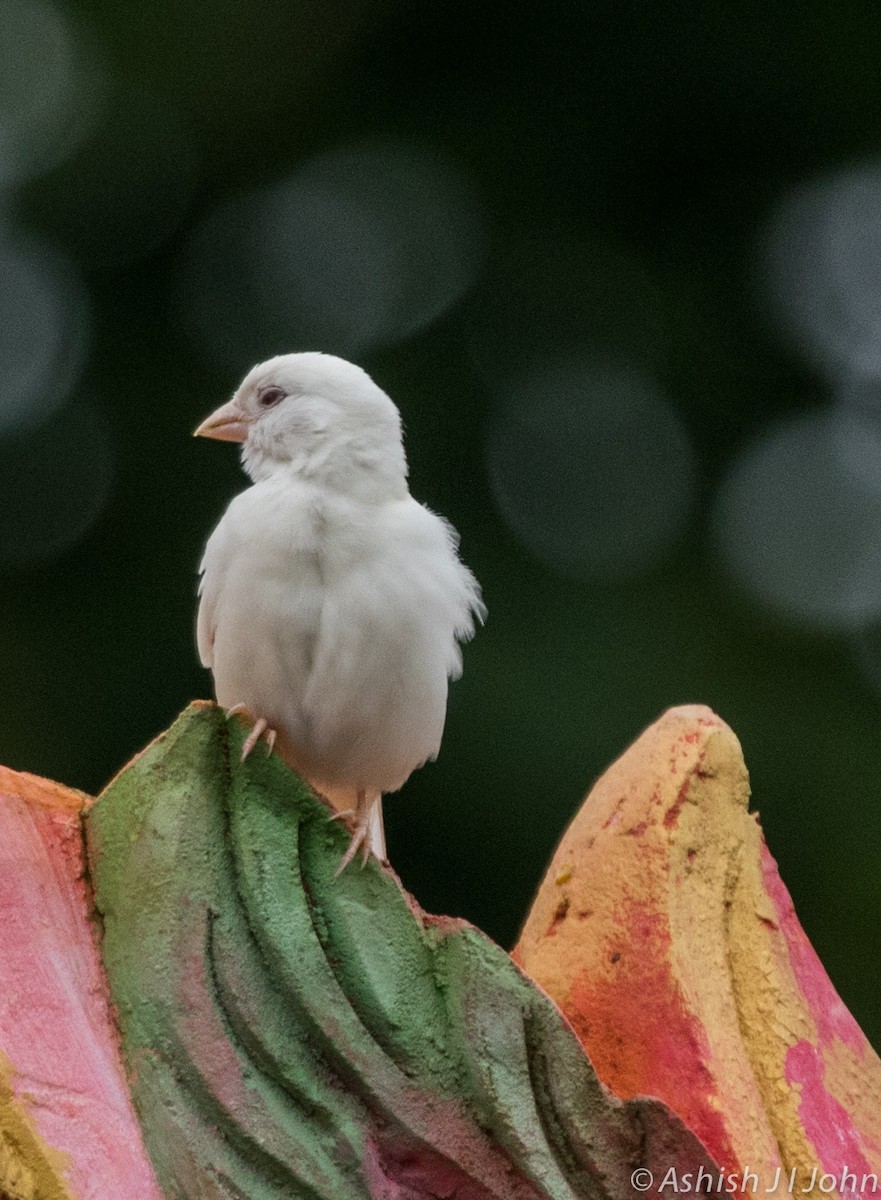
point(193, 1008)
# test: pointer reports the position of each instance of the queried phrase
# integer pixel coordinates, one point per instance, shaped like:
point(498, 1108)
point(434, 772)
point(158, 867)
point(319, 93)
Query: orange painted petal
point(664, 933)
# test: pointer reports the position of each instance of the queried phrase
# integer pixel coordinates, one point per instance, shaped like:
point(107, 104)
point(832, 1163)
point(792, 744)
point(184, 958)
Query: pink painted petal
point(64, 1103)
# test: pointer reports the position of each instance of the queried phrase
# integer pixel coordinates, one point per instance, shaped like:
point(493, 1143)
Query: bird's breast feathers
point(337, 621)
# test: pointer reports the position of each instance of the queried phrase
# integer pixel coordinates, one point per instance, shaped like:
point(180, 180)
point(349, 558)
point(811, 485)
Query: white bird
point(332, 603)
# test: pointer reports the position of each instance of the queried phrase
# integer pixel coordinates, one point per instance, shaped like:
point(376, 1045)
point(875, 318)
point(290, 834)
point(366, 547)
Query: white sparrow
point(332, 603)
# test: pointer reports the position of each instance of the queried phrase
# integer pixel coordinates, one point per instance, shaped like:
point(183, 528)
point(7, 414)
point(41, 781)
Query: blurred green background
point(620, 267)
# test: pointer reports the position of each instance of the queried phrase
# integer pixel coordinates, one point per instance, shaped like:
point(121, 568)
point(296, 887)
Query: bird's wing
point(261, 597)
point(211, 572)
point(391, 620)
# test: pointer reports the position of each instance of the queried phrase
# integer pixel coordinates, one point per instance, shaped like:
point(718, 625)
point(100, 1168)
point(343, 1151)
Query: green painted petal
point(289, 1034)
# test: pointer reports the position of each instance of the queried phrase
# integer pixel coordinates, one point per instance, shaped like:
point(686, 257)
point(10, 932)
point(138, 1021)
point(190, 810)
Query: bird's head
point(319, 416)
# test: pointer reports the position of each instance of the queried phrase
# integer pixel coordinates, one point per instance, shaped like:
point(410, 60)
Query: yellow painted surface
point(29, 1169)
point(680, 962)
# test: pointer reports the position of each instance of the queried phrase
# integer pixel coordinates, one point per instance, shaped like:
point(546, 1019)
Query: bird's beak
point(227, 424)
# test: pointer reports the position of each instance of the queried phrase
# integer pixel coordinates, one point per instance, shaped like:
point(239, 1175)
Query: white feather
point(332, 603)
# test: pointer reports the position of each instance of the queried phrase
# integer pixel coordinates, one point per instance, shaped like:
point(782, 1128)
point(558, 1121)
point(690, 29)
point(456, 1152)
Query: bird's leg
point(376, 834)
point(368, 833)
point(258, 730)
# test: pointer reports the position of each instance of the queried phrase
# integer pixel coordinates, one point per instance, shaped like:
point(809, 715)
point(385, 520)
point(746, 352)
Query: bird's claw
point(359, 839)
point(260, 729)
point(342, 814)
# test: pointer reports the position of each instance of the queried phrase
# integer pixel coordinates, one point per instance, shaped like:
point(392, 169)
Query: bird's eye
point(270, 396)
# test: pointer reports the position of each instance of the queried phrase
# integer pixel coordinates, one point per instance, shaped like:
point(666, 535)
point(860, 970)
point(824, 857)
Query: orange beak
point(226, 424)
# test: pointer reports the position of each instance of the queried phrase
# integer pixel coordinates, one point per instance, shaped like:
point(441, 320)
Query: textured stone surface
point(67, 1128)
point(289, 1034)
point(664, 933)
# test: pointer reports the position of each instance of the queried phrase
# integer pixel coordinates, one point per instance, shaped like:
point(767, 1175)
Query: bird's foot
point(260, 729)
point(363, 836)
point(359, 841)
point(359, 838)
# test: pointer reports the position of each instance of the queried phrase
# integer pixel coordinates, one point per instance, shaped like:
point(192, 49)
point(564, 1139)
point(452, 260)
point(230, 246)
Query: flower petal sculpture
point(282, 1033)
point(664, 932)
point(292, 1033)
point(67, 1125)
